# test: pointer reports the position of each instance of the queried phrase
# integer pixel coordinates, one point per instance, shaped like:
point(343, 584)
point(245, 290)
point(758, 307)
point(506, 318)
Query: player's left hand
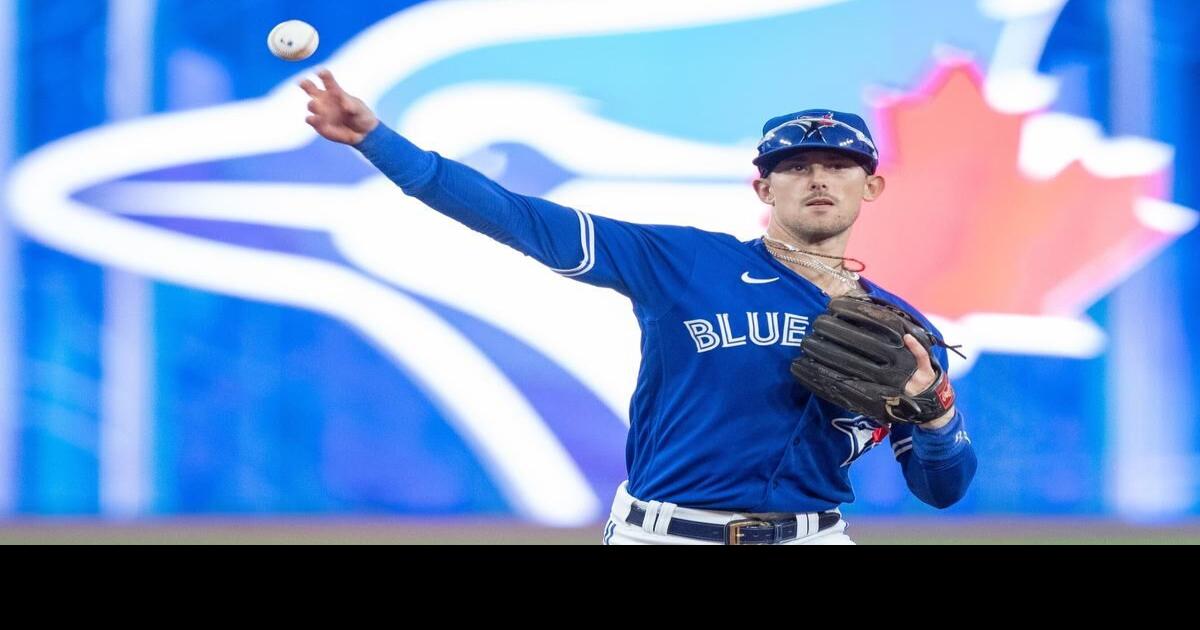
point(922, 379)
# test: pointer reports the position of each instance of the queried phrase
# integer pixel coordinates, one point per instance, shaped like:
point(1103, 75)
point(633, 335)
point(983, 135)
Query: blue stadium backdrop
point(208, 310)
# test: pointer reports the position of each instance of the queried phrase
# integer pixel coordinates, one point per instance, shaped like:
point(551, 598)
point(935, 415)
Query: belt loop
point(652, 509)
point(665, 513)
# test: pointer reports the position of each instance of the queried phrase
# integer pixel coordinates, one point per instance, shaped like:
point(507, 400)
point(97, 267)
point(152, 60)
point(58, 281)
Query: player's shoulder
point(679, 234)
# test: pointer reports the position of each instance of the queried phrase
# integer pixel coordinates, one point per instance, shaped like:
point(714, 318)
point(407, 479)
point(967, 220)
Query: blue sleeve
point(647, 263)
point(938, 465)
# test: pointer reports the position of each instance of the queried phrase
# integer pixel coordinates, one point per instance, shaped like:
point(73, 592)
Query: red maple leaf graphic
point(959, 229)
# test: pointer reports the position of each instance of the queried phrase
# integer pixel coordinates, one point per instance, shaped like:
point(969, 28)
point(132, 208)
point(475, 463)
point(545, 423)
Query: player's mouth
point(820, 201)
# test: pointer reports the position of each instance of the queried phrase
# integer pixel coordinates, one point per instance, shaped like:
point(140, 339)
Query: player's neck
point(834, 246)
point(789, 249)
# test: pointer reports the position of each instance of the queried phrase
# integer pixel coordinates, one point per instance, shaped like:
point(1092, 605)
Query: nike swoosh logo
point(748, 280)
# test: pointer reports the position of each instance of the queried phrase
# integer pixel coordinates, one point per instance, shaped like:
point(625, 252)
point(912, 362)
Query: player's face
point(817, 194)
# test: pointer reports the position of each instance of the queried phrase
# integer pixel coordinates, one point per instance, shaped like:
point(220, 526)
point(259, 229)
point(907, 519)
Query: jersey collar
point(761, 249)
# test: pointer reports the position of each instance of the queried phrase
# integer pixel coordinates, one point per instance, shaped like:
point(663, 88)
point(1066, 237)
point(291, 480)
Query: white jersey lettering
point(772, 329)
point(727, 338)
point(719, 333)
point(702, 333)
point(794, 329)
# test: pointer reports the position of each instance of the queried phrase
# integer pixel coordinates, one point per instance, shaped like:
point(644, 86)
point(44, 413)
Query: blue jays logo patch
point(864, 433)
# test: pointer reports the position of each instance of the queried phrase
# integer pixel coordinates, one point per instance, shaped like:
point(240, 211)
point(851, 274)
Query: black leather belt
point(743, 532)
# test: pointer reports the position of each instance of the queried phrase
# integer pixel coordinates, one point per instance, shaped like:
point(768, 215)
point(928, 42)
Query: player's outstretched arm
point(337, 115)
point(453, 189)
point(634, 260)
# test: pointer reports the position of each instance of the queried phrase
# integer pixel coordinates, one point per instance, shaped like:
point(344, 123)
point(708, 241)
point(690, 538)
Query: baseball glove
point(854, 357)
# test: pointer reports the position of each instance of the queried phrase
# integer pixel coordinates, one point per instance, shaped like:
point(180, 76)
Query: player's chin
point(821, 215)
point(821, 228)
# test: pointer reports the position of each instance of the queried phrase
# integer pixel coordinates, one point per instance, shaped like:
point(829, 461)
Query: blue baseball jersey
point(716, 420)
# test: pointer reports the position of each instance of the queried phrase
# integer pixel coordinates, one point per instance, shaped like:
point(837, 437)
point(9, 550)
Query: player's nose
point(817, 177)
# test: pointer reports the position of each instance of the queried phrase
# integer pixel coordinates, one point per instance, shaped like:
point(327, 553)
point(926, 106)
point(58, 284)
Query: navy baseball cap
point(816, 129)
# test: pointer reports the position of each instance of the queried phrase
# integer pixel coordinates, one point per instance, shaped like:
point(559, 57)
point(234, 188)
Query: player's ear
point(873, 188)
point(762, 186)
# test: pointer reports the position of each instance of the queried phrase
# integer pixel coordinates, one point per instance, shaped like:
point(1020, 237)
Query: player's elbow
point(943, 502)
point(944, 497)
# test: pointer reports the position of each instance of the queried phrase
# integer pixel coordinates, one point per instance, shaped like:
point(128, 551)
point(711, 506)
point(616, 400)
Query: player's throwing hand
point(336, 115)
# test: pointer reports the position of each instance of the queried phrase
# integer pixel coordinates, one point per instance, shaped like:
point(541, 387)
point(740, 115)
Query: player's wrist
point(941, 421)
point(374, 135)
point(360, 135)
point(368, 128)
point(943, 443)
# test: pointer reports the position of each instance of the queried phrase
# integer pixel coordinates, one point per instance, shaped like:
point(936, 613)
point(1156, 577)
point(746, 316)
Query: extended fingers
point(310, 88)
point(331, 83)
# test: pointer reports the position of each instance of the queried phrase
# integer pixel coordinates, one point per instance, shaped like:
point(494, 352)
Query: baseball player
point(724, 445)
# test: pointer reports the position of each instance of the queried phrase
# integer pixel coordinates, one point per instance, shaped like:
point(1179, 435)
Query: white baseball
point(293, 40)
